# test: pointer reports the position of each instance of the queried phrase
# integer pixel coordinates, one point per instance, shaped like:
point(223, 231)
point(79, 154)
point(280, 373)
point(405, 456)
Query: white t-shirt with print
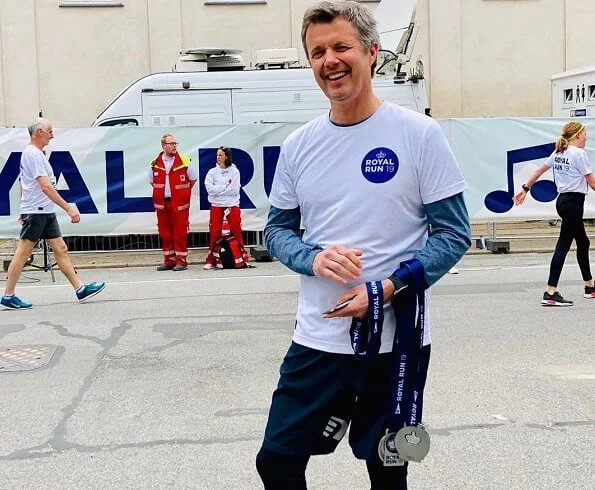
point(35, 164)
point(570, 168)
point(364, 187)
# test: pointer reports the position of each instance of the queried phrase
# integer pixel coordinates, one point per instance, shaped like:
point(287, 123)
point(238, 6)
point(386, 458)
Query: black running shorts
point(320, 394)
point(38, 226)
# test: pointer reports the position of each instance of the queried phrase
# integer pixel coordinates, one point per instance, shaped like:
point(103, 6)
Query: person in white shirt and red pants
point(223, 187)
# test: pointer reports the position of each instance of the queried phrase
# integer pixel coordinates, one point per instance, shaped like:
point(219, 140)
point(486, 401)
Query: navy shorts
point(320, 393)
point(38, 226)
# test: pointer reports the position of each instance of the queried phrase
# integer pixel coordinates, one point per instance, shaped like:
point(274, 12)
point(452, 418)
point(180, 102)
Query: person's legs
point(22, 253)
point(281, 471)
point(386, 478)
point(165, 229)
point(180, 229)
point(567, 232)
point(582, 248)
point(215, 227)
point(309, 414)
point(234, 218)
point(60, 250)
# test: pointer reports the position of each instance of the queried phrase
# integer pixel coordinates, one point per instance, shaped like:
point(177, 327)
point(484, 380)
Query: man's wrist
point(526, 188)
point(397, 283)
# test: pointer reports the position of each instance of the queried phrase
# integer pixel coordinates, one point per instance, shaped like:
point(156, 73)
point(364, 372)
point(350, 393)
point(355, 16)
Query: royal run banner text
point(104, 171)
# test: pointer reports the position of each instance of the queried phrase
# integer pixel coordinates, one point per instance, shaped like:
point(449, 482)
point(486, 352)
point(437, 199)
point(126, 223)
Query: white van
point(237, 97)
point(573, 93)
point(194, 95)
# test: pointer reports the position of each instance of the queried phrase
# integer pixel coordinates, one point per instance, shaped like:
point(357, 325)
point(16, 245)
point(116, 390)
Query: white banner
point(105, 171)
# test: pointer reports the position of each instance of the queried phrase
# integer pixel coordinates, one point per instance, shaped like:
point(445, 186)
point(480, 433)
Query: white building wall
point(481, 57)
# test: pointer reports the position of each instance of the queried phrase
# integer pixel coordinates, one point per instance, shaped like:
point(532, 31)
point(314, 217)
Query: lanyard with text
point(407, 376)
point(366, 332)
point(405, 438)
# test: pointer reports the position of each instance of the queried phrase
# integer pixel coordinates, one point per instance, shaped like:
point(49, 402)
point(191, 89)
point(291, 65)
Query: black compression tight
point(570, 207)
point(282, 472)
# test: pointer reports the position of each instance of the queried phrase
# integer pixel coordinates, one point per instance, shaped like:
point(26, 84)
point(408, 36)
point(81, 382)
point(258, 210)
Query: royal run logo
point(380, 165)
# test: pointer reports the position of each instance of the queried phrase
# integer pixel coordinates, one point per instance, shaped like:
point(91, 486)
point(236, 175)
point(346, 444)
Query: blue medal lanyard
point(408, 372)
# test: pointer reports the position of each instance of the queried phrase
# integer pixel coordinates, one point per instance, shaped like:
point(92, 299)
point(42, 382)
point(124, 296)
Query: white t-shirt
point(168, 163)
point(570, 168)
point(223, 186)
point(362, 186)
point(35, 164)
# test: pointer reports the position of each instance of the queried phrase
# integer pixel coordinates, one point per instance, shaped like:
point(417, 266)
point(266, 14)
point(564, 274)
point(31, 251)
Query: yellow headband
point(575, 134)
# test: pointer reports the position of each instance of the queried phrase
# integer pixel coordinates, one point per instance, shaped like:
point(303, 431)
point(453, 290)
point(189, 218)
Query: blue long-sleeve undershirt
point(449, 239)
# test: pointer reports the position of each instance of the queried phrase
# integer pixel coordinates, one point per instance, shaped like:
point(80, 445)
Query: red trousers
point(234, 218)
point(173, 231)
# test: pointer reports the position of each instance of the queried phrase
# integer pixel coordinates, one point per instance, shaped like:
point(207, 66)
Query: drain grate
point(25, 357)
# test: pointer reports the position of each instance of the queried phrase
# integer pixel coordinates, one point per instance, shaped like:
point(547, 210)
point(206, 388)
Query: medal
point(387, 450)
point(412, 443)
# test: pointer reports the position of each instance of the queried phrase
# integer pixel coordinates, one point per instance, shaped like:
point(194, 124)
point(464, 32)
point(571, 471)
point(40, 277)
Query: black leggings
point(281, 472)
point(570, 207)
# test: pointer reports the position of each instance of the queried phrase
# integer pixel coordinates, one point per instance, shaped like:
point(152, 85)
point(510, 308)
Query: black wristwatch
point(526, 188)
point(398, 284)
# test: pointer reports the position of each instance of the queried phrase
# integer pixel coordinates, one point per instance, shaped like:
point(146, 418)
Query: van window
point(120, 122)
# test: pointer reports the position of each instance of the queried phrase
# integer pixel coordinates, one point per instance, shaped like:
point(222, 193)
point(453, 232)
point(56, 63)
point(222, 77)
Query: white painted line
point(504, 268)
point(160, 281)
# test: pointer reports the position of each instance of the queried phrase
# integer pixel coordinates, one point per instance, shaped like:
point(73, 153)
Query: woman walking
point(573, 177)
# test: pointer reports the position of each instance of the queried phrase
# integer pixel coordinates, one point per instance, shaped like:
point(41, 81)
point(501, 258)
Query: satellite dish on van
point(209, 59)
point(394, 18)
point(398, 31)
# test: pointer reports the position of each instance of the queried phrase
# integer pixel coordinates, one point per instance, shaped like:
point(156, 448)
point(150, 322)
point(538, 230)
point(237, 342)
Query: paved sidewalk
point(165, 379)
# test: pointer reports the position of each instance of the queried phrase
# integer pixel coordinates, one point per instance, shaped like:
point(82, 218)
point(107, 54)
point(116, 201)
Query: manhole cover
point(25, 357)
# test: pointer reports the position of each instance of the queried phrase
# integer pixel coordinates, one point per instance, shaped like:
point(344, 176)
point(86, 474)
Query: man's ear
point(374, 50)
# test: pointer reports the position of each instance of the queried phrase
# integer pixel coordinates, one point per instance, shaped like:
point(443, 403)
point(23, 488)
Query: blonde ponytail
point(570, 131)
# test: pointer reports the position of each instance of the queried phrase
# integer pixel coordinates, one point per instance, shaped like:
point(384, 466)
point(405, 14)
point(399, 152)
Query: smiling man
point(366, 181)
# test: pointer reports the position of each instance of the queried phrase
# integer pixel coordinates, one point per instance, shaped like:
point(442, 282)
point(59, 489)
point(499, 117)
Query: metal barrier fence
point(543, 229)
point(115, 243)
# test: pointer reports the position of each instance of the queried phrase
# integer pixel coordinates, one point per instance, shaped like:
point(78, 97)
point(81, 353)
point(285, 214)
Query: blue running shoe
point(89, 290)
point(14, 303)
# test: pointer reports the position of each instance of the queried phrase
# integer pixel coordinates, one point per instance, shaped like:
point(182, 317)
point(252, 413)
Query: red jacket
point(179, 183)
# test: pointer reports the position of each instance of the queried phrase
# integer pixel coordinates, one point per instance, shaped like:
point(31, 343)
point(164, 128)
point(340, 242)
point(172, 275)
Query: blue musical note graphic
point(542, 190)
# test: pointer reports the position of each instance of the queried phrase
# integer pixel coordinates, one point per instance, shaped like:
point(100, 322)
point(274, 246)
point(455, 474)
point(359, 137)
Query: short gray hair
point(359, 16)
point(36, 124)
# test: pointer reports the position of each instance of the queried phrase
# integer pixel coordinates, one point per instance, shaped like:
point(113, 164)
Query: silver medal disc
point(387, 451)
point(412, 443)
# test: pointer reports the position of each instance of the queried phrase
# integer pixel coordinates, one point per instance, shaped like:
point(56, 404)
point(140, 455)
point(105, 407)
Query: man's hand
point(75, 217)
point(358, 306)
point(338, 263)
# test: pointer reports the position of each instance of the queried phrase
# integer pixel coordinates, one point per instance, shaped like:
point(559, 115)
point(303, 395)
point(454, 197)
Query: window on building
point(91, 3)
point(569, 96)
point(591, 92)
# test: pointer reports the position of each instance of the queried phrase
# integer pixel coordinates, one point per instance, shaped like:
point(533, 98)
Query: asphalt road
point(165, 379)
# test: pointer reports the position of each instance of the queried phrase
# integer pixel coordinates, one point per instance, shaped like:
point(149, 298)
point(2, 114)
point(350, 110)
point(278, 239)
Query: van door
point(281, 105)
point(186, 107)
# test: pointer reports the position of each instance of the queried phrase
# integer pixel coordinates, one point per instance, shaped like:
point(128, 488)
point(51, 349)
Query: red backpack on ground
point(229, 254)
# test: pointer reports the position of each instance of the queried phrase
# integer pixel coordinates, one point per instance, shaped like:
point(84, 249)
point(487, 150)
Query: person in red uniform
point(223, 187)
point(172, 178)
